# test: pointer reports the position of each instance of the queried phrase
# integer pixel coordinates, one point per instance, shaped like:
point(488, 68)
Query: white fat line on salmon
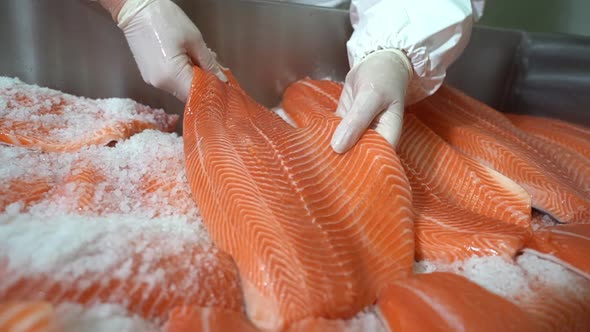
point(320, 91)
point(453, 320)
point(558, 231)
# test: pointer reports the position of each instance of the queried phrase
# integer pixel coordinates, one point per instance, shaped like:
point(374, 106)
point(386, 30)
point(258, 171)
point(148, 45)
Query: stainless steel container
point(74, 46)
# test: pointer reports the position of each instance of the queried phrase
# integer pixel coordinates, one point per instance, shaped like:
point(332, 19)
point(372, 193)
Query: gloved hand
point(165, 43)
point(373, 96)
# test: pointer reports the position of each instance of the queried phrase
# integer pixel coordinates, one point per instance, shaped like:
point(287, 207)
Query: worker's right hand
point(165, 43)
point(373, 96)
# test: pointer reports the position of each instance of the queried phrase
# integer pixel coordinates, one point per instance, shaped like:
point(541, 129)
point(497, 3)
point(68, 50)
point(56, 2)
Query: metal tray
point(75, 47)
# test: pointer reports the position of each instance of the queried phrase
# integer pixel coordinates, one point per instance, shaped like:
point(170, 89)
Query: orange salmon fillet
point(462, 208)
point(443, 301)
point(313, 233)
point(488, 137)
point(567, 135)
point(570, 165)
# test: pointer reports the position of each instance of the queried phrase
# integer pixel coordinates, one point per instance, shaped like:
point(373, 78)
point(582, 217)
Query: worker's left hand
point(165, 43)
point(373, 96)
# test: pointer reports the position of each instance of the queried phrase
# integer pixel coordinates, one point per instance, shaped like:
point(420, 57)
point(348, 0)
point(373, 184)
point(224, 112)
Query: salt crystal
point(61, 118)
point(70, 246)
point(121, 175)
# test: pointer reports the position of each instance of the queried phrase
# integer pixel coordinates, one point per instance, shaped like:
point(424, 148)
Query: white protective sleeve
point(432, 33)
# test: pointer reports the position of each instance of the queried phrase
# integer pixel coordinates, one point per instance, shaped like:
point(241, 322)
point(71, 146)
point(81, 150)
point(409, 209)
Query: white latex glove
point(165, 43)
point(373, 96)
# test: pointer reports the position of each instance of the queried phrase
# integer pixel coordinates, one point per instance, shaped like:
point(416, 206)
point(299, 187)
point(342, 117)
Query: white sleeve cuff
point(432, 33)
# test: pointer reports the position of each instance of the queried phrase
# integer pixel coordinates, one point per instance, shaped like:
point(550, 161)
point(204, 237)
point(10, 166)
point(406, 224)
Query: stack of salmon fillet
point(476, 221)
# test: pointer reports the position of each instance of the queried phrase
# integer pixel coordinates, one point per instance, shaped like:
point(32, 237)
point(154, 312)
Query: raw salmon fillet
point(567, 144)
point(463, 209)
point(484, 137)
point(565, 244)
point(446, 302)
point(472, 185)
point(21, 316)
point(313, 233)
point(447, 233)
point(460, 205)
point(458, 179)
point(571, 164)
point(146, 266)
point(573, 167)
point(567, 135)
point(446, 226)
point(50, 120)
